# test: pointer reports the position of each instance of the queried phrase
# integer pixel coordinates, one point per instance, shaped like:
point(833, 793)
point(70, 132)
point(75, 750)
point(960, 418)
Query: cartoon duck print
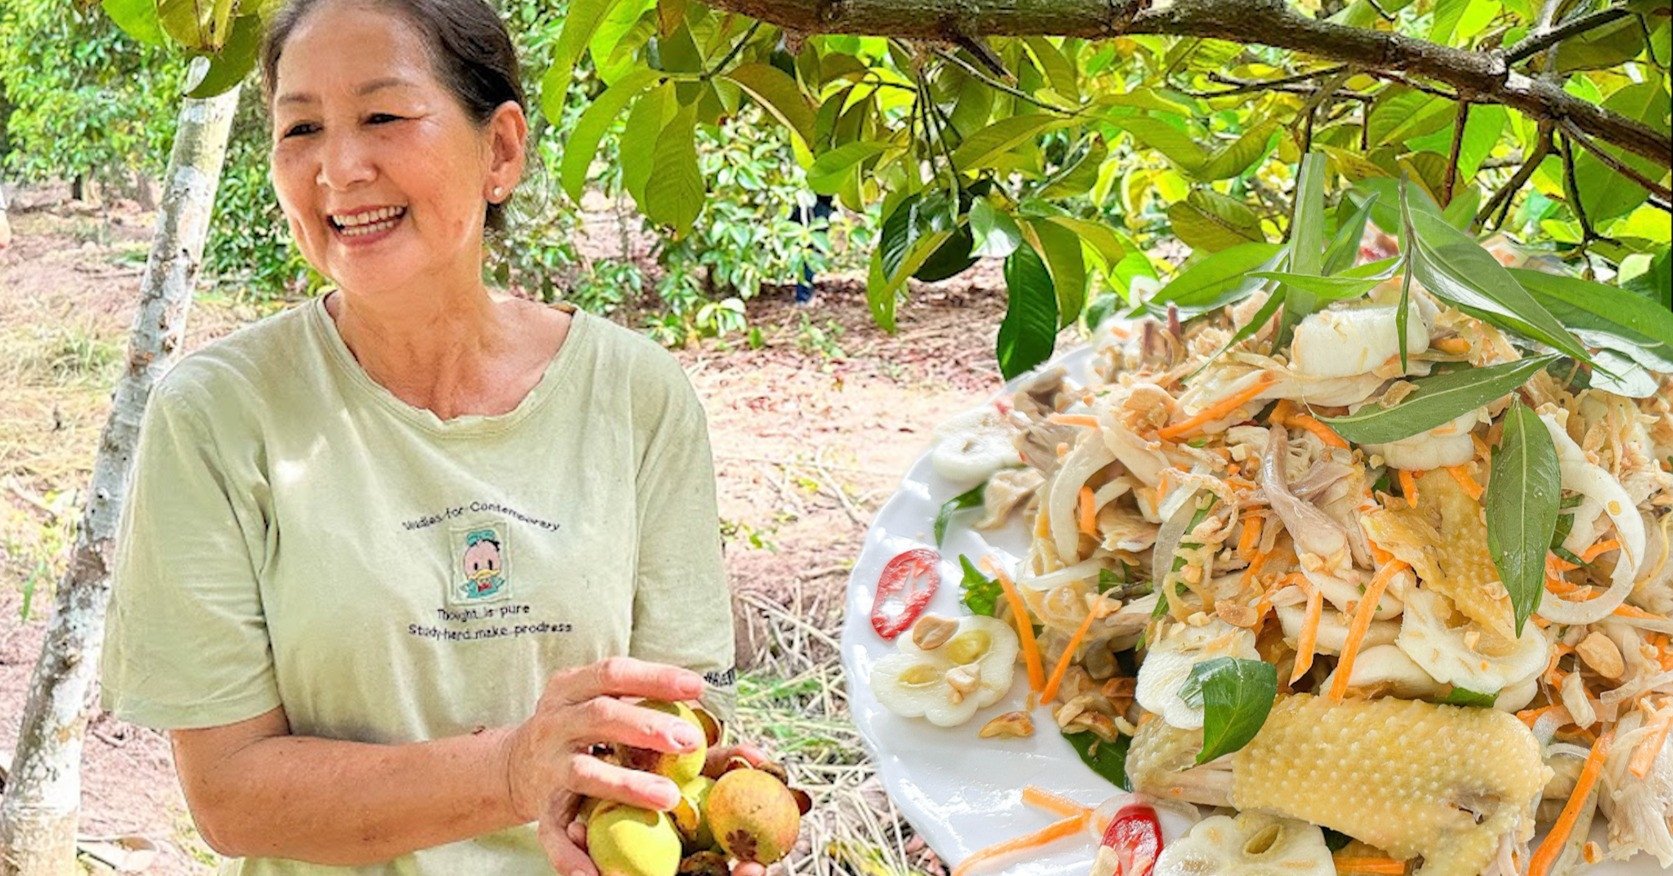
point(483, 565)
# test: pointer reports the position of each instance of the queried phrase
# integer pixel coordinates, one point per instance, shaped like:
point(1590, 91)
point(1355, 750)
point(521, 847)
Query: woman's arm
point(255, 790)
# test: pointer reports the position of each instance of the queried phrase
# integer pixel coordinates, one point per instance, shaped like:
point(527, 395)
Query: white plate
point(959, 791)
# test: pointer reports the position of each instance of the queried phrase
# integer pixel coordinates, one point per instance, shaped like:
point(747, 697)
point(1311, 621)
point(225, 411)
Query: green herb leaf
point(1459, 696)
point(1522, 499)
point(1341, 287)
point(1236, 696)
point(1437, 400)
point(1216, 280)
point(1603, 317)
point(1336, 840)
point(968, 499)
point(1344, 247)
point(1107, 759)
point(980, 593)
point(1306, 242)
point(1453, 266)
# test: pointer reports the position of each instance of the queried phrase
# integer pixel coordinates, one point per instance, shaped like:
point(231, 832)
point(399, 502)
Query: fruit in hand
point(629, 841)
point(753, 816)
point(689, 814)
point(705, 864)
point(681, 768)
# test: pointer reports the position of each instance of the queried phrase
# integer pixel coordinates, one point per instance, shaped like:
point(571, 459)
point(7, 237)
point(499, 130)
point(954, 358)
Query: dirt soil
point(812, 432)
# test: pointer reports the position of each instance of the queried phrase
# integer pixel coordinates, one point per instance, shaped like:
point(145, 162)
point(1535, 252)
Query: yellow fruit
point(689, 814)
point(754, 816)
point(681, 768)
point(628, 841)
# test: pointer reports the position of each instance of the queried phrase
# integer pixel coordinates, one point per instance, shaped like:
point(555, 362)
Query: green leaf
point(968, 499)
point(1237, 157)
point(1029, 332)
point(198, 25)
point(645, 122)
point(1216, 280)
point(980, 593)
point(674, 194)
point(235, 60)
point(831, 169)
point(1338, 288)
point(1522, 498)
point(1439, 399)
point(1107, 759)
point(951, 258)
point(1172, 141)
point(1058, 69)
point(1605, 317)
point(1404, 114)
point(1459, 696)
point(582, 146)
point(138, 19)
point(981, 148)
point(1306, 242)
point(580, 21)
point(1105, 242)
point(1211, 221)
point(996, 233)
point(1064, 259)
point(1236, 697)
point(778, 94)
point(1343, 251)
point(1605, 193)
point(1451, 265)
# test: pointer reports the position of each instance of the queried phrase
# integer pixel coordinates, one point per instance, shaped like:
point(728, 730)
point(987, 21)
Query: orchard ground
point(812, 429)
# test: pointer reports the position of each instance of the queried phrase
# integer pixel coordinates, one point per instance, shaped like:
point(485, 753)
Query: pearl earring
point(497, 191)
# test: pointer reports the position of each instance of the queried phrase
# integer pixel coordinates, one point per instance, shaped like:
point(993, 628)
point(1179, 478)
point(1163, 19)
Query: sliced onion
point(1080, 464)
point(1077, 572)
point(1603, 493)
point(1168, 539)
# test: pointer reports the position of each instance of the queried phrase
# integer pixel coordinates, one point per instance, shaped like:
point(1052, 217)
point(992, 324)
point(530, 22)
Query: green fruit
point(753, 815)
point(628, 841)
point(681, 768)
point(688, 815)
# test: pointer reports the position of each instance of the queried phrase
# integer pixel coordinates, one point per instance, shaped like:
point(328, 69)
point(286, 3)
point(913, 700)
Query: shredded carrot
point(1088, 518)
point(1219, 409)
point(1644, 756)
point(1251, 536)
point(1053, 803)
point(1599, 549)
point(1068, 657)
point(1325, 433)
point(1408, 487)
point(1066, 827)
point(1465, 479)
point(1529, 716)
point(1086, 420)
point(1362, 623)
point(1309, 638)
point(1025, 631)
point(1625, 610)
point(1281, 412)
point(1371, 865)
point(1377, 553)
point(1548, 850)
point(1454, 346)
point(1555, 564)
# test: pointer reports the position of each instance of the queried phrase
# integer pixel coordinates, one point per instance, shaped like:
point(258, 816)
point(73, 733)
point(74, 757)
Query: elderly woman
point(396, 560)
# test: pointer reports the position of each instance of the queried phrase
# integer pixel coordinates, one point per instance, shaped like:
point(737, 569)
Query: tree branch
point(1484, 77)
point(1616, 164)
point(1537, 41)
point(1502, 200)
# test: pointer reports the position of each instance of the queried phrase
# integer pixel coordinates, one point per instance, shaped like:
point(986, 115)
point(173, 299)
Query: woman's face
point(381, 174)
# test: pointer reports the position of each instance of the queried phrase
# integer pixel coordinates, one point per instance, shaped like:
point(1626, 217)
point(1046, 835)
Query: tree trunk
point(39, 811)
point(5, 225)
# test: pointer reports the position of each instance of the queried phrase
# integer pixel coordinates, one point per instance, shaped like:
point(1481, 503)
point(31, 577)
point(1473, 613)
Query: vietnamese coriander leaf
point(968, 499)
point(1236, 696)
point(1107, 759)
point(1306, 243)
point(1439, 399)
point(1215, 280)
point(1459, 696)
point(1454, 267)
point(1603, 317)
point(1523, 494)
point(980, 593)
point(1350, 284)
point(1344, 247)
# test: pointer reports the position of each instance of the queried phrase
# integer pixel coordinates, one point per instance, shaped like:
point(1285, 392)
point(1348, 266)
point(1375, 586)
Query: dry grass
point(795, 702)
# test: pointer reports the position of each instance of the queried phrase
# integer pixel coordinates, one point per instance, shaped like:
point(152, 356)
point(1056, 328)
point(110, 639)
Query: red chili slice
point(909, 581)
point(1135, 834)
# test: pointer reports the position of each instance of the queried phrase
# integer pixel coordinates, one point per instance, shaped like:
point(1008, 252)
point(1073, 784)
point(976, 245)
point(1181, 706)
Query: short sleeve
point(682, 613)
point(186, 641)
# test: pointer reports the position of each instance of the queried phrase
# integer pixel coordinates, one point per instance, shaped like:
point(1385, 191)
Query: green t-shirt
point(296, 535)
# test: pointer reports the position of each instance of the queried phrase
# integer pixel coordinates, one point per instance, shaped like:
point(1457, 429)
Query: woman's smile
point(365, 227)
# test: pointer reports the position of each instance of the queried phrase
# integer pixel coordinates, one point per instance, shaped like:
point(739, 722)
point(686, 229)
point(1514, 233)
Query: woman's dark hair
point(468, 44)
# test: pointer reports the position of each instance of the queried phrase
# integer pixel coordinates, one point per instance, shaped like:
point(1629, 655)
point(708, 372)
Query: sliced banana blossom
point(1600, 493)
point(1312, 529)
point(1006, 491)
point(1249, 845)
point(1171, 658)
point(1453, 655)
point(972, 446)
point(948, 684)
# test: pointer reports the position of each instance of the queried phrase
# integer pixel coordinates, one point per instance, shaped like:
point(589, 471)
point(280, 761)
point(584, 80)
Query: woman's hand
point(558, 824)
point(548, 765)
